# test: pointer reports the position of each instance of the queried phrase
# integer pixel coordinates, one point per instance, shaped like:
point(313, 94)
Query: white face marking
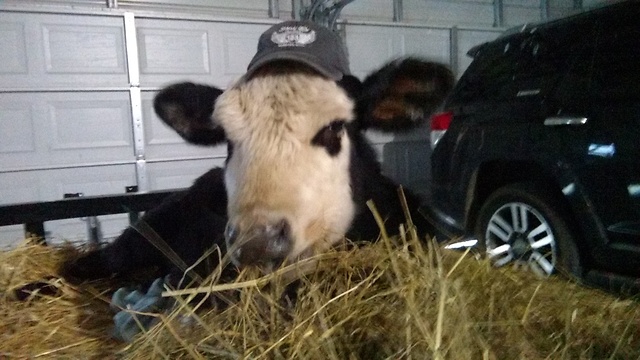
point(275, 171)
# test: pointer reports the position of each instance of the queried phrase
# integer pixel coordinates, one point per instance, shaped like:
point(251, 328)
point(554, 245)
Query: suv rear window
point(521, 65)
point(489, 75)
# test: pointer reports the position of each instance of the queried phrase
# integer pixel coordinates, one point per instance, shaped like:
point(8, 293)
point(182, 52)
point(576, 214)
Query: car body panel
point(567, 114)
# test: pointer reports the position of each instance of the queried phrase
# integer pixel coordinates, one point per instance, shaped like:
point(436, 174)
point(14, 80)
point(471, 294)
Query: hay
point(71, 323)
point(397, 298)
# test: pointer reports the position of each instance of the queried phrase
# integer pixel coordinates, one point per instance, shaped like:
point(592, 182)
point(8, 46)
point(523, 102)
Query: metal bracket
point(453, 49)
point(274, 9)
point(545, 10)
point(94, 231)
point(324, 12)
point(498, 13)
point(398, 11)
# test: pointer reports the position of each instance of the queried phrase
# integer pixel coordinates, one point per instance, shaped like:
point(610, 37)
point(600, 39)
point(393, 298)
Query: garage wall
point(78, 79)
point(443, 12)
point(65, 112)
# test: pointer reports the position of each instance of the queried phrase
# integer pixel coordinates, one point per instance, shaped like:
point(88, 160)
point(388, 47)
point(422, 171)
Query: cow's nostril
point(278, 237)
point(280, 229)
point(265, 244)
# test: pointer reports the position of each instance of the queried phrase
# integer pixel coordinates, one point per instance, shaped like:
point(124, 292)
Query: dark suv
point(537, 151)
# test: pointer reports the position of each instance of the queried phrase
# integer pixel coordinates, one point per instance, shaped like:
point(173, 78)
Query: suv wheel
point(522, 225)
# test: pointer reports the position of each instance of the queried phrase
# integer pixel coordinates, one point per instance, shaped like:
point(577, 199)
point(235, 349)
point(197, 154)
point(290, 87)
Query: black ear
point(352, 85)
point(403, 94)
point(187, 108)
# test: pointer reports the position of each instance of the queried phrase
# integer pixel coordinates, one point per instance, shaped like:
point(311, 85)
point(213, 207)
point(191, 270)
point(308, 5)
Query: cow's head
point(291, 124)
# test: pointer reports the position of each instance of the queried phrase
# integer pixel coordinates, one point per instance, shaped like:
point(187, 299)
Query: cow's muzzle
point(263, 245)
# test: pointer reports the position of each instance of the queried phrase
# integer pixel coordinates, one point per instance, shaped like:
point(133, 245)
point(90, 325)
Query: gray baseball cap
point(306, 42)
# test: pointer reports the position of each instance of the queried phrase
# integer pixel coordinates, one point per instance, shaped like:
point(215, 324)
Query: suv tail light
point(439, 125)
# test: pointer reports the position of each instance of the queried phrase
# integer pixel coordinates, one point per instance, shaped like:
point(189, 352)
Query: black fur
point(200, 131)
point(194, 221)
point(329, 137)
point(429, 82)
point(190, 222)
point(368, 183)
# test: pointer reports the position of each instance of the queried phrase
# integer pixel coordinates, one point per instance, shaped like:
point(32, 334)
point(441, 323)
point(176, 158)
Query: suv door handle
point(565, 120)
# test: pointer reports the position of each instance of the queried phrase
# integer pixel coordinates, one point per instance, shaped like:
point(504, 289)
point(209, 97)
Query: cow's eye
point(329, 137)
point(336, 126)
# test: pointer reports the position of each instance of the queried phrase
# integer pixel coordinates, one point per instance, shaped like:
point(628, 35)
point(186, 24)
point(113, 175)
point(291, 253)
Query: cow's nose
point(261, 244)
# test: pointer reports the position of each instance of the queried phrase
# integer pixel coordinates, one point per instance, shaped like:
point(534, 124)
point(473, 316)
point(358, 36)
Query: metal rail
point(34, 215)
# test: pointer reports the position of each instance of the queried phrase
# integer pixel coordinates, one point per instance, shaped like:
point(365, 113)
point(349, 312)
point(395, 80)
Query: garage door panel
point(50, 185)
point(13, 44)
point(20, 187)
point(88, 124)
point(11, 236)
point(462, 12)
point(370, 47)
point(379, 10)
point(239, 45)
point(518, 14)
point(175, 51)
point(52, 51)
point(207, 52)
point(432, 44)
point(179, 174)
point(72, 49)
point(57, 129)
point(91, 181)
point(16, 128)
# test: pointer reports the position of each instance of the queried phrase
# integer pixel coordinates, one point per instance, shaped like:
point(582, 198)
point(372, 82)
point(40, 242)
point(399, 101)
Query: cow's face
point(287, 175)
point(290, 133)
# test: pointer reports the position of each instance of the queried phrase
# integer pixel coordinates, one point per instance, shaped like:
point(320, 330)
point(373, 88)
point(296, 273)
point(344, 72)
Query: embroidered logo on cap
point(293, 36)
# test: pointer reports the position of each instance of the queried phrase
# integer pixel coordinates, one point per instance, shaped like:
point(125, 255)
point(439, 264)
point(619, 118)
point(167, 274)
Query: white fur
point(275, 172)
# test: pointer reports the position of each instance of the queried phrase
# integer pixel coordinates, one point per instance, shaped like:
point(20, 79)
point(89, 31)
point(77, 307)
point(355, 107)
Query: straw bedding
point(396, 299)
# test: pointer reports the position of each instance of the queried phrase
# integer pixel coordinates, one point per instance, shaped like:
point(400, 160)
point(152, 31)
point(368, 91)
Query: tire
point(522, 225)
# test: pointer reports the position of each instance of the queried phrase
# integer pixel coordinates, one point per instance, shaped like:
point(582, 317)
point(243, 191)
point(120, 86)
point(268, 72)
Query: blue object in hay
point(128, 304)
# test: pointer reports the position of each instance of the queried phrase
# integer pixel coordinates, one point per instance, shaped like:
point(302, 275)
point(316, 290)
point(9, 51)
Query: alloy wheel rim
point(518, 234)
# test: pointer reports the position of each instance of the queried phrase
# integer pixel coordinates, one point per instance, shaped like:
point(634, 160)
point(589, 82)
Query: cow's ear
point(352, 85)
point(187, 108)
point(403, 94)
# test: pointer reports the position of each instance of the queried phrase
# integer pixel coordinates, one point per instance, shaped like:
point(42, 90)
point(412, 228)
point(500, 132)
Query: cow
point(299, 169)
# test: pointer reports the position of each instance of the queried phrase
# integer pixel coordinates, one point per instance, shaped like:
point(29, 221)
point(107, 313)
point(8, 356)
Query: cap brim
point(293, 55)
